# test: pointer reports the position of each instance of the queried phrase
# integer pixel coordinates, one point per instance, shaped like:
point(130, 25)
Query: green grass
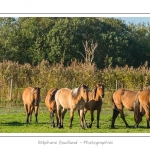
point(12, 120)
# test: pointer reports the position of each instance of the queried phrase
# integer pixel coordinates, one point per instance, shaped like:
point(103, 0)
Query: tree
point(89, 51)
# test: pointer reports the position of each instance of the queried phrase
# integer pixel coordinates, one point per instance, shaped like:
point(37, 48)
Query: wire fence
point(13, 94)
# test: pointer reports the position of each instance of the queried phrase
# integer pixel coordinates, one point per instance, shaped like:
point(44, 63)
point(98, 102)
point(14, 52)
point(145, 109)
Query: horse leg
point(92, 118)
point(52, 118)
point(79, 115)
point(82, 119)
point(84, 113)
point(59, 116)
point(32, 109)
point(137, 120)
point(85, 110)
point(57, 120)
point(28, 108)
point(36, 113)
point(62, 117)
point(147, 112)
point(115, 114)
point(71, 117)
point(98, 117)
point(123, 118)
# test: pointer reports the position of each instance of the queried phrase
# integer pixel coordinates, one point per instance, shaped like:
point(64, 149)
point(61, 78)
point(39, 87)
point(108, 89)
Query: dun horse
point(142, 102)
point(31, 99)
point(95, 103)
point(122, 98)
point(67, 99)
point(51, 105)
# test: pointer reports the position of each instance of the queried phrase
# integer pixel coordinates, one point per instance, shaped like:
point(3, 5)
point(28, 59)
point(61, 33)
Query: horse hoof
point(53, 125)
point(90, 126)
point(113, 127)
point(27, 122)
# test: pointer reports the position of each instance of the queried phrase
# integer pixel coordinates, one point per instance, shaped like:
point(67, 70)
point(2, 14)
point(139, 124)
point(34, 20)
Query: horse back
point(27, 95)
point(62, 97)
point(144, 97)
point(124, 98)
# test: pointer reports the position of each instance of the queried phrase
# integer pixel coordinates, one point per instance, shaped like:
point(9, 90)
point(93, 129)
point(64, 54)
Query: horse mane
point(95, 90)
point(36, 88)
point(75, 92)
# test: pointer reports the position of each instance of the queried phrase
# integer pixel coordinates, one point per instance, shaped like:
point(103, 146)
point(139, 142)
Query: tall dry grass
point(48, 76)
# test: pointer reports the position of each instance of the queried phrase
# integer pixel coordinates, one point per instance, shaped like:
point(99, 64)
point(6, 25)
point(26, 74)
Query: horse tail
point(113, 104)
point(52, 97)
point(137, 112)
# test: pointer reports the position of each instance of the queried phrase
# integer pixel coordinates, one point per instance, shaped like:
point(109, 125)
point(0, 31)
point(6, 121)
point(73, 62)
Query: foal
point(95, 103)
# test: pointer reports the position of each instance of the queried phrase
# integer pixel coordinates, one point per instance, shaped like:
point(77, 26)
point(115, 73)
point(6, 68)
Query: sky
point(135, 20)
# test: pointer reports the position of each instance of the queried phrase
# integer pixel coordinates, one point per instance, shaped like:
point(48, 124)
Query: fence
point(13, 94)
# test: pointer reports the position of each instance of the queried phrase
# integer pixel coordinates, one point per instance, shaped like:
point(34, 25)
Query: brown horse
point(31, 99)
point(95, 103)
point(142, 106)
point(122, 98)
point(67, 99)
point(51, 104)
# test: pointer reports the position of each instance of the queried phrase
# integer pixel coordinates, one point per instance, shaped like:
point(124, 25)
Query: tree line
point(62, 40)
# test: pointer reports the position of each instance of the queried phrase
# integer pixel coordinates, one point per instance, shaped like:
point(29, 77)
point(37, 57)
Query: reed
point(46, 76)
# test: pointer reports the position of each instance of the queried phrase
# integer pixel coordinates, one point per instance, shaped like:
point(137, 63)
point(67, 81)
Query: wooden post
point(116, 85)
point(11, 86)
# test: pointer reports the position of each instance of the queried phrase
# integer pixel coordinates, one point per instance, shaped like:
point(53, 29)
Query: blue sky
point(135, 20)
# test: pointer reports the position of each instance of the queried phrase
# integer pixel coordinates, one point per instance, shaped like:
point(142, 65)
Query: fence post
point(116, 85)
point(11, 86)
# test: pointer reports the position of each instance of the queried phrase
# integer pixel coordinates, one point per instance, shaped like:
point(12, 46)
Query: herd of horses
point(58, 101)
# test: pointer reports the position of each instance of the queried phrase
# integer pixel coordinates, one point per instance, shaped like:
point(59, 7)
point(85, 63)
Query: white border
point(77, 8)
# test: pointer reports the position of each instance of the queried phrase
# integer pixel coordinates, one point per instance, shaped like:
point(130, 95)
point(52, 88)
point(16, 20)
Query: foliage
point(59, 40)
point(46, 76)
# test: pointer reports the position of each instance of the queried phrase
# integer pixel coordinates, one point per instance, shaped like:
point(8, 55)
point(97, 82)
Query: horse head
point(99, 90)
point(36, 95)
point(84, 92)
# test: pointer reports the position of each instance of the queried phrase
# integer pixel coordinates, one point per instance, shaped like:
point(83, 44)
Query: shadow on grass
point(15, 123)
point(130, 127)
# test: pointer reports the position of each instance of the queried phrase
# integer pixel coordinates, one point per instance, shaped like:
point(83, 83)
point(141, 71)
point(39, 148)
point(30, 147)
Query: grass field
point(12, 120)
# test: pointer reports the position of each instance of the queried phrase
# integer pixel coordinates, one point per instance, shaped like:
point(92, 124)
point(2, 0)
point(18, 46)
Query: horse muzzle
point(86, 101)
point(102, 96)
point(36, 103)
